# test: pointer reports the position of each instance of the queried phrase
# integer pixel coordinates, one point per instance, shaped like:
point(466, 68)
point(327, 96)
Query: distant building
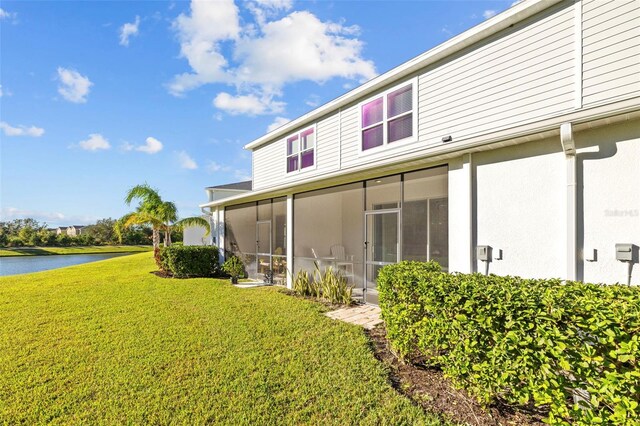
point(61, 230)
point(75, 230)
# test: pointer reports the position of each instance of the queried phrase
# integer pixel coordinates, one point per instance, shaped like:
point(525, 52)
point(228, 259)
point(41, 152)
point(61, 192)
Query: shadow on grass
point(32, 251)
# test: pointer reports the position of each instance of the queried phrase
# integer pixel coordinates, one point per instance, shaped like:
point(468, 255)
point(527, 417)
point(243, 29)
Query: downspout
point(569, 148)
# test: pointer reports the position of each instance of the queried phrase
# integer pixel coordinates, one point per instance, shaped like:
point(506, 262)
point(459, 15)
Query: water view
point(25, 264)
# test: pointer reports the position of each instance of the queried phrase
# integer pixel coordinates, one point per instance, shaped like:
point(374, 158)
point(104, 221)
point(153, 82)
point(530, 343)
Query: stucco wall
point(609, 162)
point(195, 236)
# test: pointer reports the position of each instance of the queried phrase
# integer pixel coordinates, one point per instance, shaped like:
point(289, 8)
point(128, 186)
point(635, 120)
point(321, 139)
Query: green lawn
point(44, 251)
point(109, 343)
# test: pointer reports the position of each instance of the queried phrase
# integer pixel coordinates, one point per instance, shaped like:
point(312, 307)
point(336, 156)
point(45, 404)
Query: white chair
point(340, 258)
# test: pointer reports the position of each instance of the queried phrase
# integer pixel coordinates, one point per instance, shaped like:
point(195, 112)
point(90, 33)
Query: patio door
point(382, 247)
point(263, 246)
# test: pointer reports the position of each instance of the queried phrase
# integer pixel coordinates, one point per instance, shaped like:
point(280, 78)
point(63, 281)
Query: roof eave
point(504, 20)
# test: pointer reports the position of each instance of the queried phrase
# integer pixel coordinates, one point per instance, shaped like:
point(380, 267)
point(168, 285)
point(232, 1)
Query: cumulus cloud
point(51, 218)
point(73, 86)
point(151, 146)
point(20, 130)
point(260, 59)
point(128, 30)
point(247, 104)
point(95, 142)
point(186, 162)
point(489, 13)
point(278, 122)
point(4, 14)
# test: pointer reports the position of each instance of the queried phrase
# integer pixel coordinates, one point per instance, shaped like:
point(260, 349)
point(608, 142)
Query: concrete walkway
point(367, 316)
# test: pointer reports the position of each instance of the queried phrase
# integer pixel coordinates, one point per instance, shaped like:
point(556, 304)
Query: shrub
point(330, 285)
point(234, 267)
point(520, 340)
point(189, 261)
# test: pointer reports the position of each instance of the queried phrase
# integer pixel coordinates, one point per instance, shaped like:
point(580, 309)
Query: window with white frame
point(388, 118)
point(300, 150)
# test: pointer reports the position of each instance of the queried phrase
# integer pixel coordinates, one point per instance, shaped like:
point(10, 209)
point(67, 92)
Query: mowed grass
point(45, 251)
point(110, 343)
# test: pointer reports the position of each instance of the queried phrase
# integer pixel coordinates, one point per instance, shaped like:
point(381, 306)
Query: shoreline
point(62, 251)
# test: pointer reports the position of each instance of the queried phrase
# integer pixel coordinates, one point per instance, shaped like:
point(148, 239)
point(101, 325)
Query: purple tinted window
point(307, 159)
point(399, 101)
point(372, 112)
point(372, 137)
point(292, 145)
point(292, 164)
point(400, 128)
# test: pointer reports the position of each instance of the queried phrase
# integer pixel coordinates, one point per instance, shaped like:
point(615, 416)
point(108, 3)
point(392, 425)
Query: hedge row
point(190, 261)
point(523, 341)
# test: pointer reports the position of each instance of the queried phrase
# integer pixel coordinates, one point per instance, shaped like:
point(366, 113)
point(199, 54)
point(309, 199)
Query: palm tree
point(161, 215)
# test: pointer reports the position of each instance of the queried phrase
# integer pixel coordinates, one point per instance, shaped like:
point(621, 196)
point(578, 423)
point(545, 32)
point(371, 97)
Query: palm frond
point(143, 218)
point(145, 193)
point(193, 221)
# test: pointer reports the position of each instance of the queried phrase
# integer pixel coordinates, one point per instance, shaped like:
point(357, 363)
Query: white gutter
point(586, 118)
point(504, 20)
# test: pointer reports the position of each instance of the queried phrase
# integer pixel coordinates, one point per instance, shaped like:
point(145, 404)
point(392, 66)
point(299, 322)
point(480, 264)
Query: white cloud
point(151, 146)
point(516, 2)
point(489, 13)
point(1, 92)
point(247, 104)
point(186, 162)
point(129, 29)
point(278, 122)
point(238, 174)
point(32, 131)
point(7, 15)
point(73, 86)
point(95, 142)
point(51, 218)
point(260, 60)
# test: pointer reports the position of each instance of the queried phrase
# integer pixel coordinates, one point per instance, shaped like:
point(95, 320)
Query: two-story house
point(513, 148)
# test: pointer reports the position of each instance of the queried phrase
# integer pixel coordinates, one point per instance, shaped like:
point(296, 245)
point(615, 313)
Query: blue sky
point(100, 96)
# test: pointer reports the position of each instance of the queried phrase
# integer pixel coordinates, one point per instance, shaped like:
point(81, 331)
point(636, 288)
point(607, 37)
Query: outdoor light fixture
point(447, 139)
point(378, 181)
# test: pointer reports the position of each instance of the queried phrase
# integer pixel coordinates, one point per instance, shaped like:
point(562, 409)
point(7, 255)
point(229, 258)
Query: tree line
point(29, 232)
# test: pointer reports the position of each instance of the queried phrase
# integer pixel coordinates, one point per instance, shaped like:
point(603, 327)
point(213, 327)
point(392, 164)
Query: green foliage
point(234, 267)
point(330, 285)
point(110, 343)
point(189, 261)
point(522, 341)
point(304, 285)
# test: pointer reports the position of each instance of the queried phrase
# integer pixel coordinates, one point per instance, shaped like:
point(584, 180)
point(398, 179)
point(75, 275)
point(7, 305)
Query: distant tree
point(160, 215)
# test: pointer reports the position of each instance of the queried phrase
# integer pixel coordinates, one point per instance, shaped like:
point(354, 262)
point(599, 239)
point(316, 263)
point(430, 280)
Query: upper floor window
point(300, 150)
point(388, 118)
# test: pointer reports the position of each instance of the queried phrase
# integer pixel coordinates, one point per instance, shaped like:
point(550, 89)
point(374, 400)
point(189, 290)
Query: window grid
point(301, 150)
point(387, 121)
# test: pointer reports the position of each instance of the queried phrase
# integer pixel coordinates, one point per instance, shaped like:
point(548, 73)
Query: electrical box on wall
point(626, 253)
point(483, 253)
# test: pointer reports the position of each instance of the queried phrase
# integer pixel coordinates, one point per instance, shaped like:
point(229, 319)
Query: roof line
point(515, 14)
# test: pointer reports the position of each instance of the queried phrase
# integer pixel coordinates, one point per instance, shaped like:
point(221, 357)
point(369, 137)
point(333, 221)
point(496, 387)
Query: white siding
point(520, 76)
point(514, 79)
point(269, 161)
point(611, 50)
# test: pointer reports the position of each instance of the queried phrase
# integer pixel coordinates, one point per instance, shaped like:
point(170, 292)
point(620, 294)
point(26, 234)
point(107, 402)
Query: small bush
point(234, 267)
point(330, 285)
point(189, 261)
point(522, 341)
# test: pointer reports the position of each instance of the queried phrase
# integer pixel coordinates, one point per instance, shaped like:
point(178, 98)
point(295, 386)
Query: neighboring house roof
point(240, 186)
point(62, 228)
point(78, 226)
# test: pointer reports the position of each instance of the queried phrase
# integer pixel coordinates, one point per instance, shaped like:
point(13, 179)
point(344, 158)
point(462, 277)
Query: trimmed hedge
point(523, 341)
point(190, 261)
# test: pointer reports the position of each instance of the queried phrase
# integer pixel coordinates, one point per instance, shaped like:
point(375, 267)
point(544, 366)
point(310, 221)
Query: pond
point(25, 264)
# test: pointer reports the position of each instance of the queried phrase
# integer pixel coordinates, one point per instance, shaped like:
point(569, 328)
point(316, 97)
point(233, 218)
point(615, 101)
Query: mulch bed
point(428, 388)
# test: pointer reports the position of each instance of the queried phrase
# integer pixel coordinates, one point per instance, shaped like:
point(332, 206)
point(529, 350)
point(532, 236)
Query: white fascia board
point(504, 20)
point(600, 115)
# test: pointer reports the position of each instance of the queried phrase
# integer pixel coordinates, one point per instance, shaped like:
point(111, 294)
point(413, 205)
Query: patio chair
point(341, 261)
